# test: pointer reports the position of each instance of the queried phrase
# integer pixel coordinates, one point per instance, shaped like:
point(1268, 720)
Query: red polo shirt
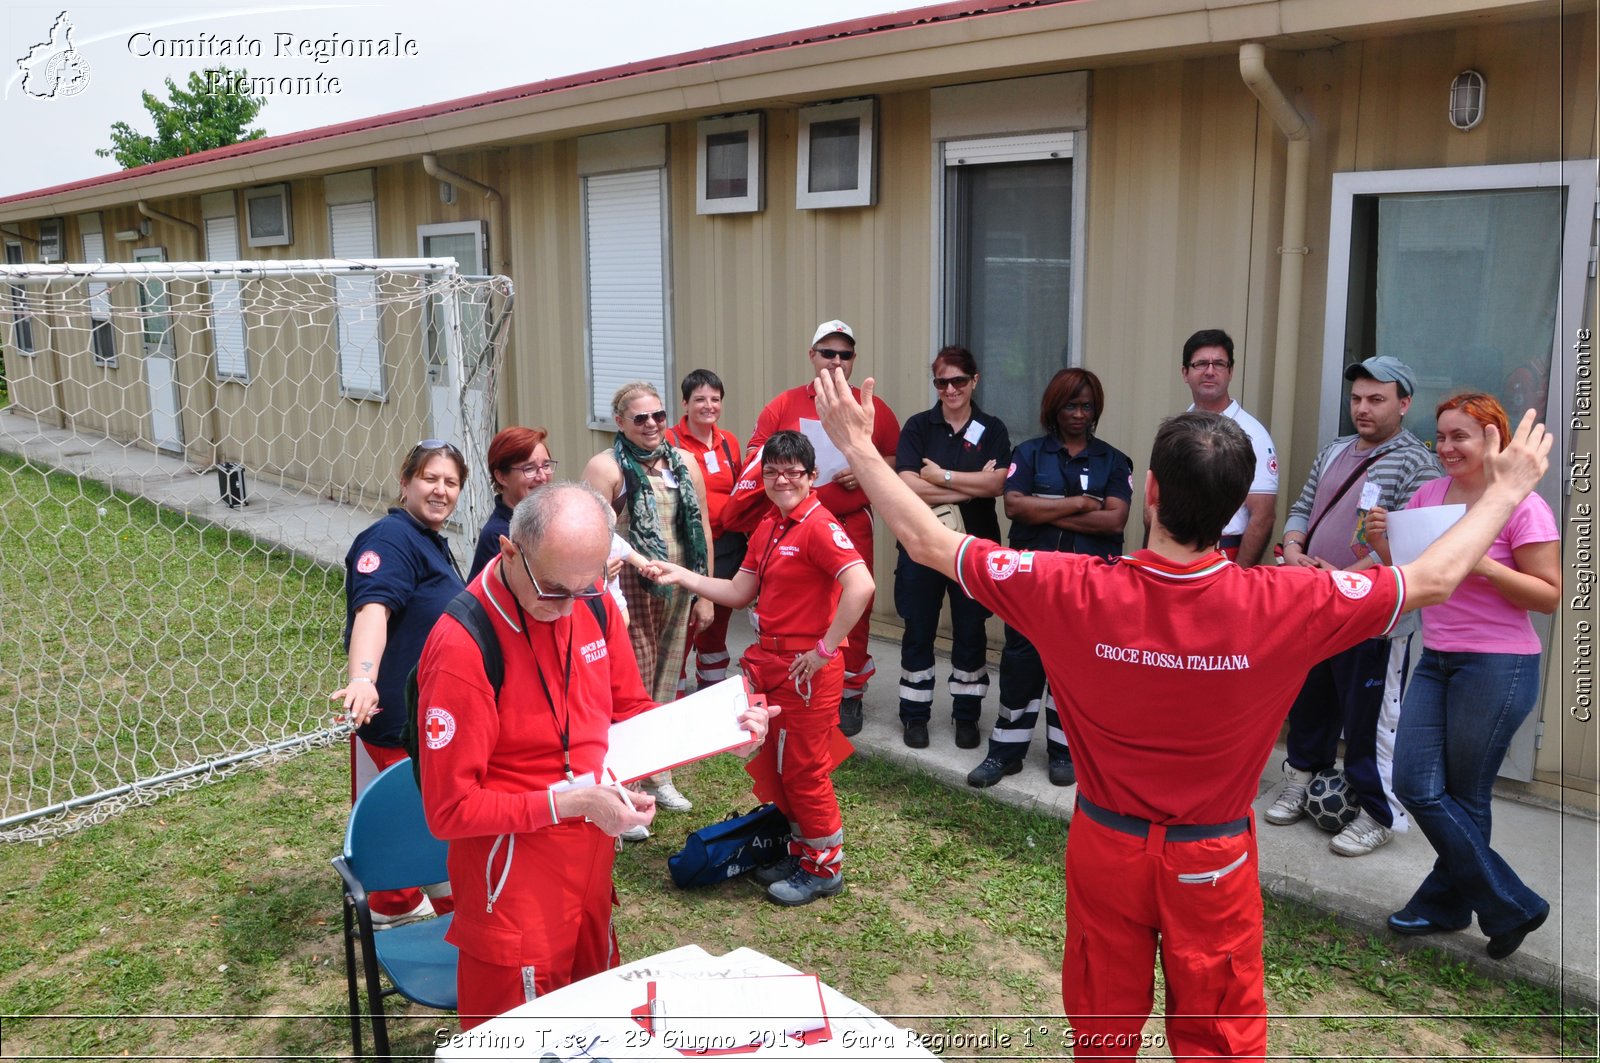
point(798, 561)
point(1174, 681)
point(784, 414)
point(719, 464)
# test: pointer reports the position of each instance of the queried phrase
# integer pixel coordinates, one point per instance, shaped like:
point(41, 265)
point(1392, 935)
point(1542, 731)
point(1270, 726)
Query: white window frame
point(263, 193)
point(230, 334)
point(753, 201)
point(21, 317)
point(102, 333)
point(864, 194)
point(477, 228)
point(1577, 229)
point(349, 195)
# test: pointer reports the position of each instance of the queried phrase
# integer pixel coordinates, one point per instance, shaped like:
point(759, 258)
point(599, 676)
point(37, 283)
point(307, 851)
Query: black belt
point(1230, 542)
point(1140, 828)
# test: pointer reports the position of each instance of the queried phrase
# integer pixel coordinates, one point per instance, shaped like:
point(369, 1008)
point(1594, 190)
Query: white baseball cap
point(829, 328)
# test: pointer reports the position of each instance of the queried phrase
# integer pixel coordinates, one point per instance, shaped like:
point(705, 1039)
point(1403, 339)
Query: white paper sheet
point(697, 1014)
point(829, 461)
point(680, 732)
point(1412, 531)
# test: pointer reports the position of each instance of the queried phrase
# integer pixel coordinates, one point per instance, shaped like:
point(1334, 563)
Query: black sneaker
point(916, 734)
point(967, 734)
point(991, 771)
point(786, 866)
point(850, 716)
point(1062, 773)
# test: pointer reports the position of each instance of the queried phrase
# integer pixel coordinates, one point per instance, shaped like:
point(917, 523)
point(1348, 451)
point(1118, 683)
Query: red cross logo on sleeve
point(438, 727)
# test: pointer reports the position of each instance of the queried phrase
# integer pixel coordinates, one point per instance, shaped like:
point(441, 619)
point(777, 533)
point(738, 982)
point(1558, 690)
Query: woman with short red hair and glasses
point(1477, 680)
point(518, 462)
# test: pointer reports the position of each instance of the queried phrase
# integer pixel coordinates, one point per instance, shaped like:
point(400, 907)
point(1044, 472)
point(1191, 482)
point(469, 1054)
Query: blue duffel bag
point(740, 843)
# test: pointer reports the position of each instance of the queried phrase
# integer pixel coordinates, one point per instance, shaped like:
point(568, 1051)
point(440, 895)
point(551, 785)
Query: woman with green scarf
point(660, 499)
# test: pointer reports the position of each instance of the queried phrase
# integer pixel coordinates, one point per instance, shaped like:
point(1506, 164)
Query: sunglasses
point(437, 444)
point(544, 596)
point(949, 382)
point(642, 419)
point(829, 354)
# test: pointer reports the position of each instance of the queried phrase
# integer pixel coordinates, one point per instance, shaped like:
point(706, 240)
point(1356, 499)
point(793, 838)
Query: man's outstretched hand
point(847, 422)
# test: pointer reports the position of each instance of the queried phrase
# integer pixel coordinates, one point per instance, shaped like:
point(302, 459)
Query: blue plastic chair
point(388, 846)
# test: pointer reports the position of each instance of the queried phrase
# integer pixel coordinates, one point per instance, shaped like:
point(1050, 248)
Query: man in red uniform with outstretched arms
point(833, 345)
point(1174, 669)
point(510, 782)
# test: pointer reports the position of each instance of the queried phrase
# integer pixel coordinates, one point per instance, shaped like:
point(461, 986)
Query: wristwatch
point(947, 476)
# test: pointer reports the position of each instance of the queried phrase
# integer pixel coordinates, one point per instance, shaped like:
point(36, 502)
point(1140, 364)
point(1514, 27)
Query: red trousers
point(858, 663)
point(798, 749)
point(1199, 903)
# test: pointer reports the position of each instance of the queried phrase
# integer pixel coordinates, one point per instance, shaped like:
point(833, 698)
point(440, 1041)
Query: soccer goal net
point(186, 452)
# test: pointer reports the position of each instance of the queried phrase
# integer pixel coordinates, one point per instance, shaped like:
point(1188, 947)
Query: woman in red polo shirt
point(716, 450)
point(813, 586)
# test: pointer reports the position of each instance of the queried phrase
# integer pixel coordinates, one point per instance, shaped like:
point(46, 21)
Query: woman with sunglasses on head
point(1067, 491)
point(812, 586)
point(660, 500)
point(1476, 681)
point(399, 576)
point(518, 462)
point(954, 457)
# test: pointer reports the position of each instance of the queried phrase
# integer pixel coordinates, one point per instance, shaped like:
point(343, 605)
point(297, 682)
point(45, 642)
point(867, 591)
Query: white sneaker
point(1290, 805)
point(1360, 836)
point(389, 922)
point(635, 834)
point(668, 797)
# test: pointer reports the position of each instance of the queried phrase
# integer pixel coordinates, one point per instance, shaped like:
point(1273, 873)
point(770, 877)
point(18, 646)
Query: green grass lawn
point(207, 925)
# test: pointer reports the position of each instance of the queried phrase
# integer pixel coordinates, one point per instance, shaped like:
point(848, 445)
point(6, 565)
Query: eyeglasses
point(437, 444)
point(829, 354)
point(1077, 407)
point(951, 383)
point(641, 419)
point(769, 473)
point(539, 468)
point(544, 596)
point(1210, 363)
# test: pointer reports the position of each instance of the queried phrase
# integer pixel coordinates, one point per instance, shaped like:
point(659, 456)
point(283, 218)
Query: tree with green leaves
point(198, 118)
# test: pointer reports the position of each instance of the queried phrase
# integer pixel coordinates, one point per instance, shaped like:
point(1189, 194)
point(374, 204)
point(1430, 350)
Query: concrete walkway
point(1556, 852)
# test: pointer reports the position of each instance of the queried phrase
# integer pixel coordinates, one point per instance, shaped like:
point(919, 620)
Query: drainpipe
point(160, 215)
point(498, 263)
point(1292, 254)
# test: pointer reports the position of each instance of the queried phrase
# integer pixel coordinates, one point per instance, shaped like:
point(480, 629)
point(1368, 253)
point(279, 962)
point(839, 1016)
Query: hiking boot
point(850, 716)
point(1062, 773)
point(1360, 836)
point(423, 910)
point(803, 887)
point(777, 872)
point(1290, 804)
point(916, 734)
point(991, 770)
point(967, 734)
point(668, 797)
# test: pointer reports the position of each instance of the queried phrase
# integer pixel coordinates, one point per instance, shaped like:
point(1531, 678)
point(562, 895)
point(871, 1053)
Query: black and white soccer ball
point(1330, 802)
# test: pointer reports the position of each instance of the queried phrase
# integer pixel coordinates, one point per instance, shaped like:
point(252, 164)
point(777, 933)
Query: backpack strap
point(470, 614)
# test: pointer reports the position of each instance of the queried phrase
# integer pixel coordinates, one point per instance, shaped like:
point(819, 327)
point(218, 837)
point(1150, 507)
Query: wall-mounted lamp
point(1466, 99)
point(128, 236)
point(447, 193)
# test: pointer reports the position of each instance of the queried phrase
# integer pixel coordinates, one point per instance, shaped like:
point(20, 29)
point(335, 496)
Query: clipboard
point(681, 732)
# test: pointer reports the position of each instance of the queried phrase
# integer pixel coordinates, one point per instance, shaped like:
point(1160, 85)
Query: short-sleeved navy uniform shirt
point(498, 524)
point(1042, 467)
point(403, 564)
point(966, 449)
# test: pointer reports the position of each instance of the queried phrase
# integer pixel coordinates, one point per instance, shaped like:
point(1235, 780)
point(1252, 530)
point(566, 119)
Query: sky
point(54, 123)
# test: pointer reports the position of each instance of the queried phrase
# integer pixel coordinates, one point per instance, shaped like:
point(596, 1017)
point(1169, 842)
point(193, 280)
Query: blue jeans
point(1460, 713)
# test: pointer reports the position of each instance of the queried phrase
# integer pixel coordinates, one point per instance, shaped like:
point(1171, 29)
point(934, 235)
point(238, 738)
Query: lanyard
point(563, 726)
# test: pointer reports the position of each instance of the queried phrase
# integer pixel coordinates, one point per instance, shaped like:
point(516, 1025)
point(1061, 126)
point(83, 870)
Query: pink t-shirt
point(1476, 619)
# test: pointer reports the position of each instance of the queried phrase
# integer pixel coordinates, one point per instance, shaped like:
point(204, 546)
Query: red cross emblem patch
point(368, 562)
point(438, 727)
point(1352, 585)
point(1003, 563)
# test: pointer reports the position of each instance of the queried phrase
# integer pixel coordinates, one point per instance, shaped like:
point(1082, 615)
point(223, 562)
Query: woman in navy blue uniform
point(1068, 491)
point(954, 457)
point(518, 462)
point(399, 576)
